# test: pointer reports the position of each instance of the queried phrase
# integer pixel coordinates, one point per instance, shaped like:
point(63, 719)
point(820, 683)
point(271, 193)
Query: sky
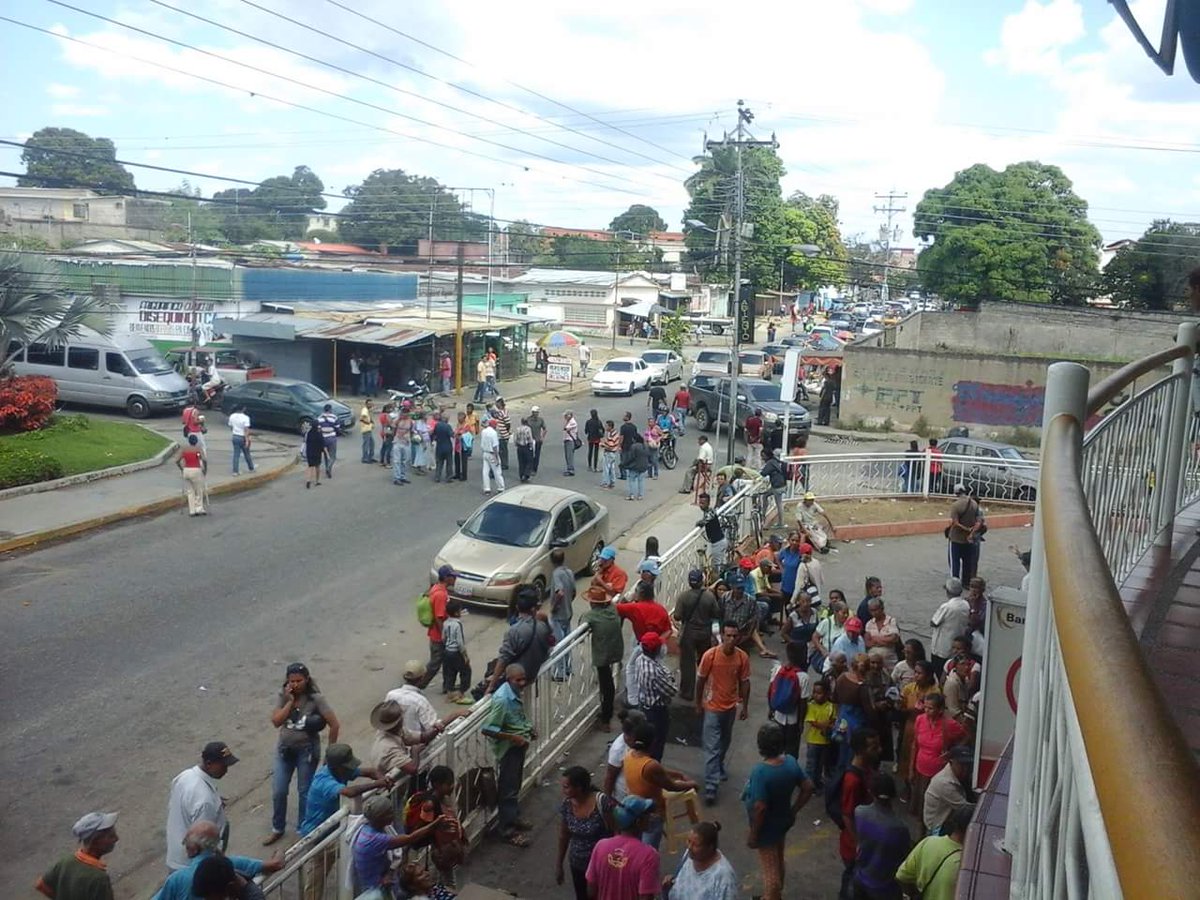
point(570, 111)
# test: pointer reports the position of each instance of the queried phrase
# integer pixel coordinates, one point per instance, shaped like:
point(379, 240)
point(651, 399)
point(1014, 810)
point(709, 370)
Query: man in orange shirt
point(84, 874)
point(439, 594)
point(609, 576)
point(724, 681)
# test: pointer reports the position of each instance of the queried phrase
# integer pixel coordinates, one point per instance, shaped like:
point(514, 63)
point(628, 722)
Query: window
point(583, 513)
point(117, 364)
point(16, 351)
point(504, 523)
point(279, 396)
point(79, 210)
point(618, 366)
point(44, 355)
point(83, 358)
point(987, 453)
point(953, 449)
point(564, 525)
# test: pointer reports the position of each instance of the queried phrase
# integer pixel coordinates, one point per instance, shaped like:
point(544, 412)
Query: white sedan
point(622, 375)
point(665, 365)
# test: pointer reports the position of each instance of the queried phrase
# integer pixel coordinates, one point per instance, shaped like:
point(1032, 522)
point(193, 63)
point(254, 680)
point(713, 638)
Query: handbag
point(576, 441)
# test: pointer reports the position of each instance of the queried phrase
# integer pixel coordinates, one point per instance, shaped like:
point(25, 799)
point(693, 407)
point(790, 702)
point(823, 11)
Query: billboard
point(1004, 637)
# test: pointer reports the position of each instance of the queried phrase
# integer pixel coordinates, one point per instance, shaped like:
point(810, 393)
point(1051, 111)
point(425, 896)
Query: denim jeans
point(653, 472)
point(447, 384)
point(817, 763)
point(609, 478)
point(239, 450)
point(637, 484)
point(442, 471)
point(385, 451)
point(456, 672)
point(401, 453)
point(288, 760)
point(509, 772)
point(569, 456)
point(716, 736)
point(330, 455)
point(561, 629)
point(681, 418)
point(368, 446)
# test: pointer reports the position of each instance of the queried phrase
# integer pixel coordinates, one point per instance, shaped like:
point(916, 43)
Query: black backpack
point(833, 795)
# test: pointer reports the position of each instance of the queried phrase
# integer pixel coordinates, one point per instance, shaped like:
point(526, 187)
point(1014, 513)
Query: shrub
point(20, 466)
point(921, 427)
point(26, 402)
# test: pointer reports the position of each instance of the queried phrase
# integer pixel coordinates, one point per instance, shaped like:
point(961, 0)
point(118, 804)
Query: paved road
point(125, 651)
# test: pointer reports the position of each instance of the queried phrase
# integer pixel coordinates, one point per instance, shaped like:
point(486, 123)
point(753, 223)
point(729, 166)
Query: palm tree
point(35, 308)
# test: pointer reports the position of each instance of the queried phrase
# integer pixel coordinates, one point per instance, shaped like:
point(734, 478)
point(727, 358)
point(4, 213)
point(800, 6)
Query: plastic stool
point(679, 805)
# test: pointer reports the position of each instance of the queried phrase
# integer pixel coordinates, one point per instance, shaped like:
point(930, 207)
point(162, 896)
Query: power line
point(517, 85)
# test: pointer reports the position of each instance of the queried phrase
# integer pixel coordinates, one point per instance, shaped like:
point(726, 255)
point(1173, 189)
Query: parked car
point(234, 366)
point(283, 403)
point(507, 541)
point(122, 371)
point(665, 365)
point(755, 363)
point(987, 468)
point(709, 324)
point(622, 375)
point(777, 352)
point(840, 323)
point(713, 362)
point(712, 393)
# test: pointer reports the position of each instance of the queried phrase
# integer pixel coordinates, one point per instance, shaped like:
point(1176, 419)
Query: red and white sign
point(1004, 637)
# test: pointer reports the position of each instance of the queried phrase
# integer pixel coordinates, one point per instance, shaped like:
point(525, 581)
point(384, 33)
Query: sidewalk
point(35, 518)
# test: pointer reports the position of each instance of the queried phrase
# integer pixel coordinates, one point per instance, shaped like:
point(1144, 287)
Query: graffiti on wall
point(1011, 405)
point(893, 398)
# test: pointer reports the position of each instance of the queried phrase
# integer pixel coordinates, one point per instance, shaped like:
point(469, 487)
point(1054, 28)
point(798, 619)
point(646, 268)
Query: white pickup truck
point(234, 366)
point(711, 324)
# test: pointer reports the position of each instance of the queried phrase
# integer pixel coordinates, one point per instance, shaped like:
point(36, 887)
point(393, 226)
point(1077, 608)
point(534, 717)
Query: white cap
point(535, 409)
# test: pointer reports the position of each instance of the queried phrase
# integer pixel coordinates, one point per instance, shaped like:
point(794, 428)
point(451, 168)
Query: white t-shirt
point(419, 714)
point(616, 757)
point(952, 619)
point(195, 797)
point(238, 423)
point(705, 453)
point(805, 694)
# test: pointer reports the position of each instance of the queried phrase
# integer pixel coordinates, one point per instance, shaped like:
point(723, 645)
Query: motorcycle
point(416, 392)
point(207, 397)
point(667, 454)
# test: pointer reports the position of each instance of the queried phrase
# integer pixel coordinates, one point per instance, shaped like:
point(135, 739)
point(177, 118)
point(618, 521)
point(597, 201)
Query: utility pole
point(889, 209)
point(616, 298)
point(458, 331)
point(195, 299)
point(739, 143)
point(429, 271)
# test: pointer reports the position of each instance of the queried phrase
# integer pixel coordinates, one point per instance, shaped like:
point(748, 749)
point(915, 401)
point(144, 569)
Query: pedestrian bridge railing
point(562, 702)
point(1105, 795)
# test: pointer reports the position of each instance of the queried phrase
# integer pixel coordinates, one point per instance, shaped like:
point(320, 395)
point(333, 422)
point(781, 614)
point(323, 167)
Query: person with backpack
point(788, 694)
point(845, 792)
point(775, 792)
point(527, 641)
point(433, 617)
point(435, 806)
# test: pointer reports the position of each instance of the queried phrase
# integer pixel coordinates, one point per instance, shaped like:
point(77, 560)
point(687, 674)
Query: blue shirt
point(849, 646)
point(789, 562)
point(178, 885)
point(775, 786)
point(324, 797)
point(371, 860)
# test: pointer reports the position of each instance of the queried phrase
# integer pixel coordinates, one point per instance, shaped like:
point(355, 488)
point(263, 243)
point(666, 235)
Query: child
point(456, 662)
point(818, 722)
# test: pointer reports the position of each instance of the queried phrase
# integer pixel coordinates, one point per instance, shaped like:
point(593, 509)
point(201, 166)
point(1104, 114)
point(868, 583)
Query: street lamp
point(788, 392)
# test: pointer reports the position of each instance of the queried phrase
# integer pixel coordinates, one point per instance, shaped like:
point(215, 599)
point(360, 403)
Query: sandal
point(515, 839)
point(272, 838)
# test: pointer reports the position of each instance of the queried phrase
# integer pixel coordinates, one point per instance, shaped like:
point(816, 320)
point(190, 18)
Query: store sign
point(1001, 678)
point(745, 315)
point(175, 318)
point(559, 370)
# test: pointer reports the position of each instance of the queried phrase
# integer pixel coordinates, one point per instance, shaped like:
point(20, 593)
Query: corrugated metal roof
point(573, 276)
point(387, 335)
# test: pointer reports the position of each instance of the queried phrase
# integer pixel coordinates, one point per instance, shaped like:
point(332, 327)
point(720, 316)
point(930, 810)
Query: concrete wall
point(978, 389)
point(1054, 332)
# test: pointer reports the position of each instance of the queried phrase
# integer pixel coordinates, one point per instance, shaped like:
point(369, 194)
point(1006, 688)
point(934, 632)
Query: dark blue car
point(283, 403)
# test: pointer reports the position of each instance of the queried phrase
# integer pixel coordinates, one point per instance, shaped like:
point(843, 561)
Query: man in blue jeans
point(723, 682)
point(239, 424)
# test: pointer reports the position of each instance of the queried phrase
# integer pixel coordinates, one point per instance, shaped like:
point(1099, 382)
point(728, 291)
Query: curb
point(97, 474)
point(155, 507)
point(926, 526)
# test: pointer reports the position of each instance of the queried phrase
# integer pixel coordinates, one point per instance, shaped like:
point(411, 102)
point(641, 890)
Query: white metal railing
point(1074, 828)
point(561, 712)
point(897, 474)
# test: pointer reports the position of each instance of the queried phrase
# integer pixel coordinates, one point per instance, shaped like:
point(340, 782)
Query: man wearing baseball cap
point(332, 781)
point(538, 426)
point(195, 797)
point(439, 596)
point(851, 642)
point(655, 690)
point(609, 576)
point(810, 528)
point(83, 875)
point(696, 610)
point(965, 524)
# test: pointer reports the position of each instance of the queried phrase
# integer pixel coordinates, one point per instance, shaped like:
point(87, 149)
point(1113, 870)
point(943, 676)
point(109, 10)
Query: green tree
point(1152, 272)
point(288, 200)
point(207, 221)
point(574, 252)
point(243, 221)
point(1020, 234)
point(391, 210)
point(674, 330)
point(640, 219)
point(64, 157)
point(525, 242)
point(713, 192)
point(35, 307)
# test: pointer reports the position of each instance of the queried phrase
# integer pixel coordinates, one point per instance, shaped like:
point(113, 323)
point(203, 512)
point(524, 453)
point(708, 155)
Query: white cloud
point(78, 110)
point(1031, 40)
point(62, 91)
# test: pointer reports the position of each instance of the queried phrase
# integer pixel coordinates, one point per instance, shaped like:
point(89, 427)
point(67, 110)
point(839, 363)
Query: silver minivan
point(120, 371)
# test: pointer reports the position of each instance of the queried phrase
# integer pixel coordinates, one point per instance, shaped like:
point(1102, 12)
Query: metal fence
point(561, 702)
point(1075, 827)
point(893, 474)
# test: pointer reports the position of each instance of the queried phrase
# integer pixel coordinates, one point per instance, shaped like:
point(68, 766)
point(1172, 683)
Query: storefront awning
point(643, 309)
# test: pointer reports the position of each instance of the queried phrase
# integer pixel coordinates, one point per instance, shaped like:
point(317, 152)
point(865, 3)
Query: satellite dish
point(1180, 26)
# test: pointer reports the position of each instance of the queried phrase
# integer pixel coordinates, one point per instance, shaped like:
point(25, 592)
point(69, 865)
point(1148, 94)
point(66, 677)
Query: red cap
point(746, 563)
point(806, 548)
point(652, 641)
point(854, 623)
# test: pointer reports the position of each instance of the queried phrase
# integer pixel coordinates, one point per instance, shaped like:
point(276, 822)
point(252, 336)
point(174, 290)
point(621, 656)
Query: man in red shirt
point(645, 616)
point(864, 744)
point(753, 431)
point(444, 368)
point(680, 405)
point(439, 594)
point(609, 576)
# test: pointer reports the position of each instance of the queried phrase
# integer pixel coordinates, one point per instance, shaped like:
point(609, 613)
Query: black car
point(283, 403)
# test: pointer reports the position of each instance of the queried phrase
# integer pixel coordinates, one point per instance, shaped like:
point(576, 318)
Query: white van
point(121, 371)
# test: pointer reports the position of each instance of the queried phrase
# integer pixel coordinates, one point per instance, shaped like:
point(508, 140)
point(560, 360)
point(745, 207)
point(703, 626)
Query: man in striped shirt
point(327, 422)
point(654, 689)
point(503, 429)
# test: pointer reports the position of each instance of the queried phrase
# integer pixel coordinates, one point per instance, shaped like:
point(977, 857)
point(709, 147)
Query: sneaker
point(710, 799)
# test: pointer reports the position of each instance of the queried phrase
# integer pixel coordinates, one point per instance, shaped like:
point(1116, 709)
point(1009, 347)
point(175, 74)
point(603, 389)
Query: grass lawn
point(82, 444)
